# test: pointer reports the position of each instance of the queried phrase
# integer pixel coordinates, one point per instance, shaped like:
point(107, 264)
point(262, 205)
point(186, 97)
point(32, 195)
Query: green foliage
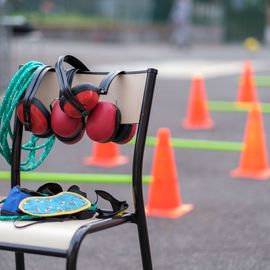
point(65, 20)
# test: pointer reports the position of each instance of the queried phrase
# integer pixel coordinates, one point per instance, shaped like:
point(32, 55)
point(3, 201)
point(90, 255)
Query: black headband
point(104, 85)
point(61, 73)
point(107, 80)
point(64, 82)
point(32, 89)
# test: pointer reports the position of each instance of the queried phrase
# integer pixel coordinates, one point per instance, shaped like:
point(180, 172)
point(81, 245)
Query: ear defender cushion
point(86, 93)
point(76, 138)
point(103, 122)
point(40, 118)
point(125, 133)
point(64, 125)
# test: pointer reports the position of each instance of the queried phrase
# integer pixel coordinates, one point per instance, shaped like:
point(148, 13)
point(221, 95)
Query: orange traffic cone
point(254, 159)
point(197, 116)
point(164, 198)
point(105, 155)
point(246, 89)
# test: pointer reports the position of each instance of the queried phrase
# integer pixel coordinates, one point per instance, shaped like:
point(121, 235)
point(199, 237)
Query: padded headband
point(104, 84)
point(70, 75)
point(65, 87)
point(107, 80)
point(60, 71)
point(65, 82)
point(32, 89)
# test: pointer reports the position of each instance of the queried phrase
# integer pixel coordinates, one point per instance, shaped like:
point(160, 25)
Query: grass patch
point(66, 20)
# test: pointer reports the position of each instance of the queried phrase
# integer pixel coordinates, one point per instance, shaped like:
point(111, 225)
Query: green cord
point(14, 92)
point(22, 217)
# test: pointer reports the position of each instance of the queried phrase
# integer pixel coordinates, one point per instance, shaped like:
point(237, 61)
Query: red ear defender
point(103, 122)
point(103, 125)
point(79, 100)
point(40, 118)
point(65, 127)
point(72, 140)
point(125, 133)
point(86, 94)
point(31, 112)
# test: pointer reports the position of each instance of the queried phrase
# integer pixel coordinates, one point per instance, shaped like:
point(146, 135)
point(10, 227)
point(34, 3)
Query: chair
point(134, 92)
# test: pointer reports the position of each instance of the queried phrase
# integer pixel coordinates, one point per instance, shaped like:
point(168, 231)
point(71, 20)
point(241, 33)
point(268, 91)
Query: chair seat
point(51, 235)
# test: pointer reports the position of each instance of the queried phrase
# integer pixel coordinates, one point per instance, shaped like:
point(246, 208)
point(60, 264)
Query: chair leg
point(73, 250)
point(71, 263)
point(19, 259)
point(144, 243)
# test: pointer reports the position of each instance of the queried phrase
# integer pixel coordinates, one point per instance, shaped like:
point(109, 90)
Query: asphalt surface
point(229, 228)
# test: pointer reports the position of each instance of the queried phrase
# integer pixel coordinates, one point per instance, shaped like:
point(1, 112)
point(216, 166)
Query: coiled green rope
point(15, 90)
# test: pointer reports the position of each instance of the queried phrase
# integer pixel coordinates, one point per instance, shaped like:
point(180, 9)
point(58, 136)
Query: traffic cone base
point(105, 155)
point(261, 175)
point(103, 162)
point(206, 124)
point(169, 213)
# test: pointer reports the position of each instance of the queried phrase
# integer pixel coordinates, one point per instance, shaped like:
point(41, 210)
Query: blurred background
point(205, 22)
point(180, 38)
point(116, 20)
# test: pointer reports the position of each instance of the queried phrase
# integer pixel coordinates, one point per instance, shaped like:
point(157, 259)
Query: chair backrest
point(133, 92)
point(127, 89)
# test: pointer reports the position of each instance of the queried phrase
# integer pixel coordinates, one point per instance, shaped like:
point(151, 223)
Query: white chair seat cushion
point(55, 235)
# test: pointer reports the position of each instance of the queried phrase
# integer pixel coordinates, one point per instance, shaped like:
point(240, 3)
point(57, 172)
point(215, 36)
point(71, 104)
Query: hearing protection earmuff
point(67, 129)
point(31, 111)
point(104, 121)
point(104, 118)
point(36, 118)
point(124, 133)
point(79, 100)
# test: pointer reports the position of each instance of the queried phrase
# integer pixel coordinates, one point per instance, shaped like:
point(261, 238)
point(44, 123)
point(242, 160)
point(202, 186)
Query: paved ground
point(229, 228)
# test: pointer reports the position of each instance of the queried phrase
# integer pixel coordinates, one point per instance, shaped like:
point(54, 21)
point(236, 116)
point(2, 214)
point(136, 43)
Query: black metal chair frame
point(137, 217)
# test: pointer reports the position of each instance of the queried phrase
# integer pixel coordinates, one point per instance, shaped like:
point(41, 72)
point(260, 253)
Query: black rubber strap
point(60, 71)
point(65, 87)
point(84, 214)
point(117, 206)
point(70, 75)
point(68, 95)
point(50, 189)
point(106, 82)
point(76, 189)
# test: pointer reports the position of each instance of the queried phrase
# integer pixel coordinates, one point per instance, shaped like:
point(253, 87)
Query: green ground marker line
point(228, 106)
point(75, 177)
point(198, 144)
point(262, 81)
